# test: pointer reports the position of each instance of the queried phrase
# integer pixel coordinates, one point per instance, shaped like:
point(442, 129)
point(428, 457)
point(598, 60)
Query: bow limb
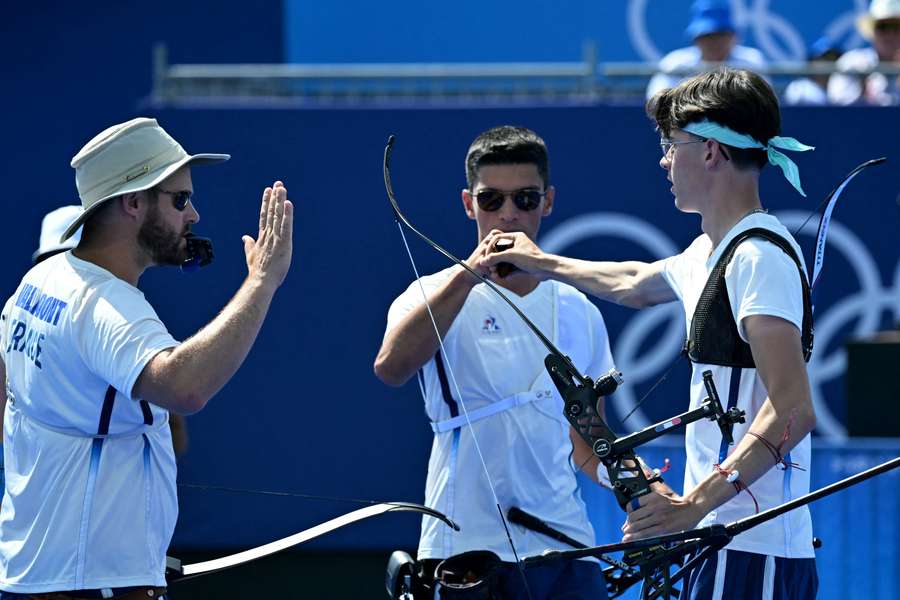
point(178, 571)
point(825, 221)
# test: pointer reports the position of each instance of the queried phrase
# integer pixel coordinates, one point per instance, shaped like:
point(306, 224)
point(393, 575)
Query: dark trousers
point(558, 580)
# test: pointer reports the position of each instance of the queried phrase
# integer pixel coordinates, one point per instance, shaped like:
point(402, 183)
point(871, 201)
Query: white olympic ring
point(628, 344)
point(771, 33)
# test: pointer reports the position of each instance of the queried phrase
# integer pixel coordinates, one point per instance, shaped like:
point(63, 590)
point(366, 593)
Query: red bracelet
point(775, 451)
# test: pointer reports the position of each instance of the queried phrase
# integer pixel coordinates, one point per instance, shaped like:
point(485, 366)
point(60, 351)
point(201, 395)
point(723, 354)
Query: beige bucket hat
point(879, 10)
point(128, 157)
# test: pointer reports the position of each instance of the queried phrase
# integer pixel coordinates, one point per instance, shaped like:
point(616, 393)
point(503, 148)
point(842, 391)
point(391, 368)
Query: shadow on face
point(715, 47)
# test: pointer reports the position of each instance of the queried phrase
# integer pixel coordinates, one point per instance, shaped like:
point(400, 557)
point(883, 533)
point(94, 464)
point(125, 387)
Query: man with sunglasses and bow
point(487, 391)
point(91, 373)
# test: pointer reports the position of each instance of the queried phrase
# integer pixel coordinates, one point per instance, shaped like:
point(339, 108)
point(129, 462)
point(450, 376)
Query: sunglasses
point(891, 26)
point(179, 199)
point(525, 199)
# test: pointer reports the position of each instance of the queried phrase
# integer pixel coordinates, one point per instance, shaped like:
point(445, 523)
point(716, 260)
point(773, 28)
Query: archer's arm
point(788, 409)
point(183, 379)
point(631, 283)
point(582, 455)
point(412, 342)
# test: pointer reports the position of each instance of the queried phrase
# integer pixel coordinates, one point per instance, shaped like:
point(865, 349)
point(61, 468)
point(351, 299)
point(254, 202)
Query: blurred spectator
point(715, 41)
point(811, 91)
point(880, 25)
point(52, 227)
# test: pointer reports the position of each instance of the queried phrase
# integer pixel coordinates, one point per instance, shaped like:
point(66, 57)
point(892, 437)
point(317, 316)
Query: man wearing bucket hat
point(91, 373)
point(53, 225)
point(742, 284)
point(881, 26)
point(714, 38)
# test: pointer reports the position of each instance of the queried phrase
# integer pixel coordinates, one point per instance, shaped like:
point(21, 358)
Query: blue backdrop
point(533, 30)
point(305, 412)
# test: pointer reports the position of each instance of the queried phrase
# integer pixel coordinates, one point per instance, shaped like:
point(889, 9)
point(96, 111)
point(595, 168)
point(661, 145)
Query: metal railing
point(585, 81)
point(361, 83)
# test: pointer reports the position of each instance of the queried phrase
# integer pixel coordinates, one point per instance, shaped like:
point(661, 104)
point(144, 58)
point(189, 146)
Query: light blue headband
point(720, 133)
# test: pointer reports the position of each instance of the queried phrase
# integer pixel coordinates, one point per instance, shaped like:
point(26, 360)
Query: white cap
point(879, 10)
point(52, 227)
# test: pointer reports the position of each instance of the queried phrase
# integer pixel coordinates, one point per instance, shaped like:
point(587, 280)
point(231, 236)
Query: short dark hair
point(507, 145)
point(739, 99)
point(96, 222)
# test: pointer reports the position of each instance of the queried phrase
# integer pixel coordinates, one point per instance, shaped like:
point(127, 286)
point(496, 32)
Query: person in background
point(881, 26)
point(714, 38)
point(812, 90)
point(53, 225)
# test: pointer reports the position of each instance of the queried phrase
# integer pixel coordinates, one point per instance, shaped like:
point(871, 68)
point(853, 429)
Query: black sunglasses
point(887, 26)
point(525, 199)
point(179, 199)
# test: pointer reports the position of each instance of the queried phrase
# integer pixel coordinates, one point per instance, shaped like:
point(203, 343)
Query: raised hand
point(269, 255)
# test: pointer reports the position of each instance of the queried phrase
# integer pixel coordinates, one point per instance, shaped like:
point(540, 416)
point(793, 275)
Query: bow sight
point(580, 395)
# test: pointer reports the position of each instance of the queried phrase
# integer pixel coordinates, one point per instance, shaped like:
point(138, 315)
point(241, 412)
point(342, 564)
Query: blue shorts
point(732, 574)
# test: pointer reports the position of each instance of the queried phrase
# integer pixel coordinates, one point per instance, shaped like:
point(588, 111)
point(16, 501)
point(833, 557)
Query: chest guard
point(714, 337)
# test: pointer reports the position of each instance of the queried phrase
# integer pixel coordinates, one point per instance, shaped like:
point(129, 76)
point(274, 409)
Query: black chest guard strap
point(714, 337)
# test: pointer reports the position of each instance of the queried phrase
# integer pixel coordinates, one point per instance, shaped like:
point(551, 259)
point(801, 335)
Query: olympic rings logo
point(866, 307)
point(774, 35)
